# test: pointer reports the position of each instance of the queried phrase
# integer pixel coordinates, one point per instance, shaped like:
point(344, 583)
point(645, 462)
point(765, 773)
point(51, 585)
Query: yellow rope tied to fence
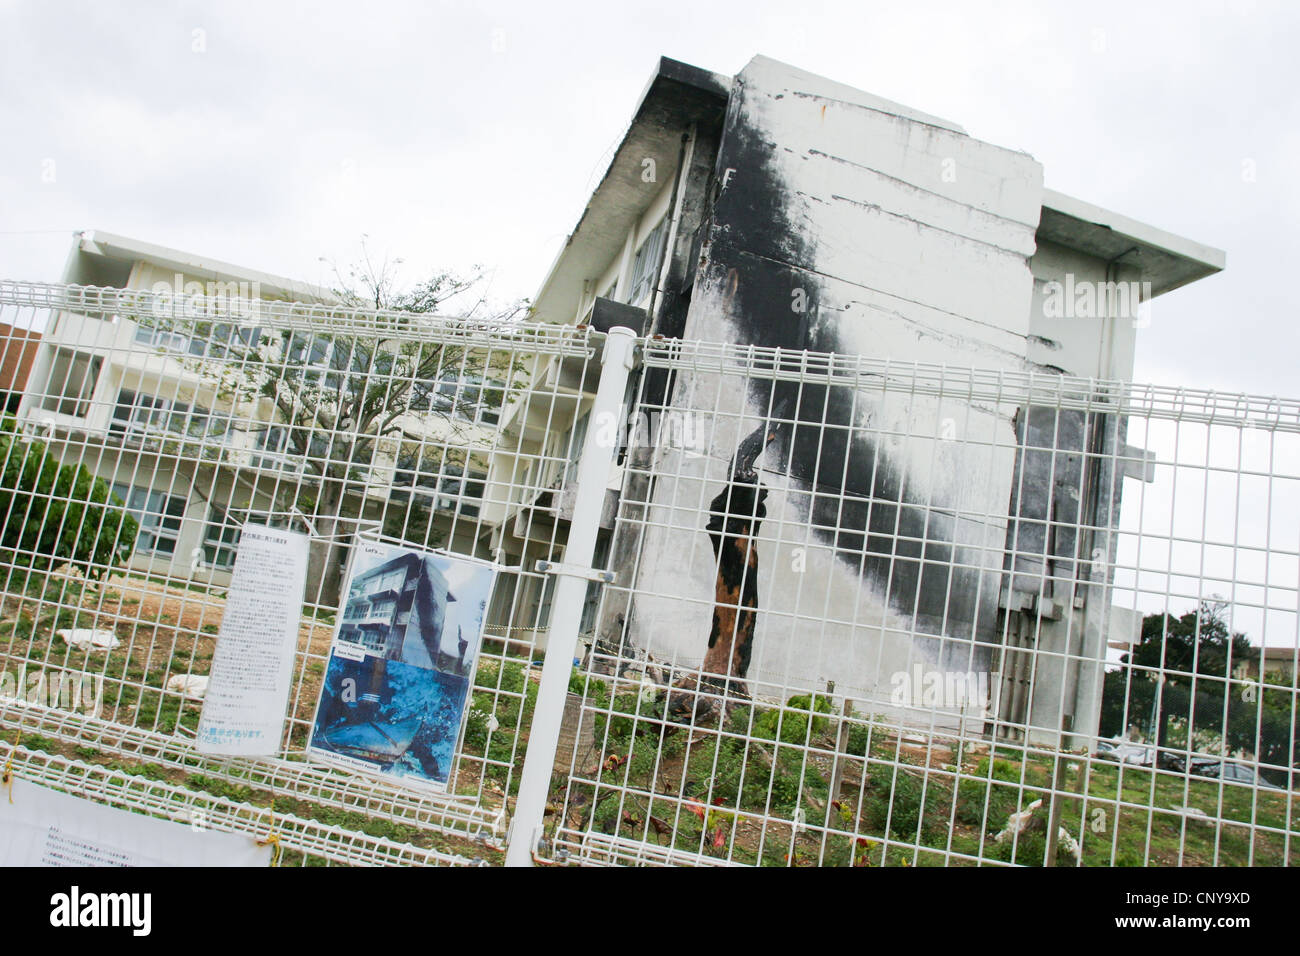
point(7, 780)
point(272, 838)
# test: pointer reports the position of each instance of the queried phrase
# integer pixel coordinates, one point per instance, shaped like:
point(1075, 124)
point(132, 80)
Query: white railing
point(920, 650)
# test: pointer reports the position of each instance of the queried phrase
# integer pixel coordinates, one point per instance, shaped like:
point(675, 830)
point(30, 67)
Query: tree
point(340, 400)
point(1195, 655)
point(55, 514)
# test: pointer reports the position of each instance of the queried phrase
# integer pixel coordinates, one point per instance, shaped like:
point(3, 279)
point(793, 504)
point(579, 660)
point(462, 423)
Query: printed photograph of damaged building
point(394, 695)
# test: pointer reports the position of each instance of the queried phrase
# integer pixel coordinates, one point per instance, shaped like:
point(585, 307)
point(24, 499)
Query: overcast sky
point(274, 134)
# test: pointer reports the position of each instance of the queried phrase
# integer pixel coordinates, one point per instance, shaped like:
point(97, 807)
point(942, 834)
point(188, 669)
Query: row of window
point(360, 611)
point(73, 375)
point(221, 535)
point(160, 515)
point(139, 414)
point(466, 396)
point(645, 262)
point(438, 484)
point(324, 361)
point(559, 467)
point(206, 340)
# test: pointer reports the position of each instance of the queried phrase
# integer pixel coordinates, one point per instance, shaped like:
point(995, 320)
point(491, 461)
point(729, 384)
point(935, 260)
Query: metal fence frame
point(602, 733)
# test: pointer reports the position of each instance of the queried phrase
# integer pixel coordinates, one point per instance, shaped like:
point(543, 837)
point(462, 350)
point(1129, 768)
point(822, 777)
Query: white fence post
point(562, 638)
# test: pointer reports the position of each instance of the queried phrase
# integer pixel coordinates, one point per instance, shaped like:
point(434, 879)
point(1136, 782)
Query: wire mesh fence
point(149, 431)
point(888, 614)
point(856, 612)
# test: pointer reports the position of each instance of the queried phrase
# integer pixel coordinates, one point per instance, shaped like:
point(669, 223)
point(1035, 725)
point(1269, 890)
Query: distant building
point(1278, 666)
point(137, 403)
point(18, 348)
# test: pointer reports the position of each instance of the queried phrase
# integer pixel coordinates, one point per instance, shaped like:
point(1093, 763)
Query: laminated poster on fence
point(397, 684)
point(252, 666)
point(43, 827)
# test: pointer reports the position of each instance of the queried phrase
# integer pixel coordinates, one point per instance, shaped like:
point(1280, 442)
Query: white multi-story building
point(148, 405)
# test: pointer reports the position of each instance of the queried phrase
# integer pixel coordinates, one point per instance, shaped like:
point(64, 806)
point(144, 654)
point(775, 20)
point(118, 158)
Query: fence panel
point(862, 613)
point(877, 613)
point(144, 431)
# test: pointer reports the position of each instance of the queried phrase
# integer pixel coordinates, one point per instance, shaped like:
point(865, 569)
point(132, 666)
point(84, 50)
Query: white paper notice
point(44, 827)
point(252, 667)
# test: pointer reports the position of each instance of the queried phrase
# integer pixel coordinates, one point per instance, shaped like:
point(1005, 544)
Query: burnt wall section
point(1061, 545)
point(1047, 504)
point(843, 223)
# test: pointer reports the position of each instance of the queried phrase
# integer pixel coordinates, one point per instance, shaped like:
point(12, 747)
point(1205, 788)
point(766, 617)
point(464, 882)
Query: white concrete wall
point(913, 239)
point(1089, 346)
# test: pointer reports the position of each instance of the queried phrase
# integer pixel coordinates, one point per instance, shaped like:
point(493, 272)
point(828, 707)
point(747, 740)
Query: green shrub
point(791, 721)
point(754, 781)
point(56, 514)
point(1030, 849)
point(898, 800)
point(621, 721)
point(859, 740)
point(1003, 770)
point(476, 722)
point(578, 682)
point(971, 798)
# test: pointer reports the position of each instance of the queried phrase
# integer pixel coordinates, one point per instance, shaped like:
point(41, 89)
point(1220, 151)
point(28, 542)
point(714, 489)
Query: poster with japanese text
point(252, 665)
point(405, 646)
point(44, 827)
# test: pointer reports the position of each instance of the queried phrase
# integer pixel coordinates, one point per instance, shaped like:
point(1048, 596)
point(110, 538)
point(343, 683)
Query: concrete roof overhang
point(100, 243)
point(1165, 260)
point(677, 96)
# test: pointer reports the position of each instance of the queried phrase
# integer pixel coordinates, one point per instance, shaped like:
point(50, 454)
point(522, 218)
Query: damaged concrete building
point(779, 208)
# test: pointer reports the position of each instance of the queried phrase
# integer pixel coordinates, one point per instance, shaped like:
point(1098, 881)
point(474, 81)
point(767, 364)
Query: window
point(221, 533)
point(214, 340)
point(438, 483)
point(491, 396)
point(312, 358)
point(274, 438)
point(446, 394)
point(646, 263)
point(138, 414)
point(467, 396)
point(282, 450)
point(72, 381)
point(159, 515)
point(389, 581)
point(458, 493)
point(204, 339)
point(161, 338)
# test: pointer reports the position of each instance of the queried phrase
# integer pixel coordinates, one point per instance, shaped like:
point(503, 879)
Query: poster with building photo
point(404, 651)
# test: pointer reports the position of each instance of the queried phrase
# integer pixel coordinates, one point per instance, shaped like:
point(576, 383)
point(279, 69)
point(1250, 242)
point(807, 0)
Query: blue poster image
point(400, 667)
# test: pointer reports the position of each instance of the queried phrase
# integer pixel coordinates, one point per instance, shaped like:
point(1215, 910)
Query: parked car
point(1230, 772)
point(1138, 754)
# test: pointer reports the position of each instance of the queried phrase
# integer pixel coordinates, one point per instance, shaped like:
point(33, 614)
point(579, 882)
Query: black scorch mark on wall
point(857, 499)
point(735, 516)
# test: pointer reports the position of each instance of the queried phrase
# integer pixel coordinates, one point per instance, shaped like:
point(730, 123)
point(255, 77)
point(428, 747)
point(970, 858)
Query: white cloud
point(457, 135)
